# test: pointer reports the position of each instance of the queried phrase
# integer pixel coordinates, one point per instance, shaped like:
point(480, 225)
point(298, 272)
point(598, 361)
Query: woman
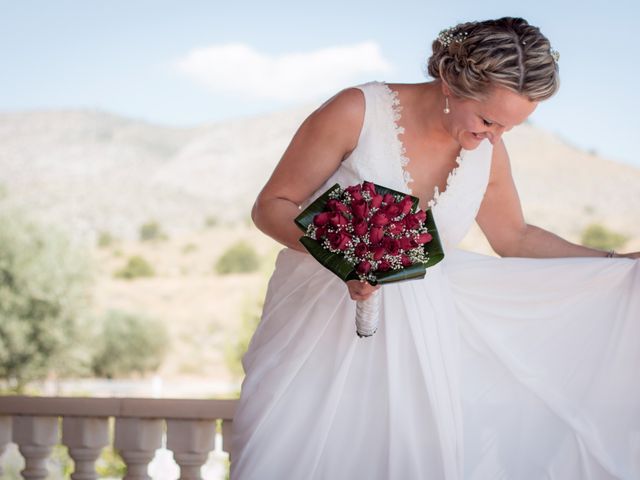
point(516, 368)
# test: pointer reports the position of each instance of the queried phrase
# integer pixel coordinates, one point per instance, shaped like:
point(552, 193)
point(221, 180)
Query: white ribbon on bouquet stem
point(367, 315)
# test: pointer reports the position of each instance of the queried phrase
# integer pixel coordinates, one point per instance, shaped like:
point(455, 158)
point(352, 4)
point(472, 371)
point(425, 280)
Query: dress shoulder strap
point(377, 155)
point(369, 91)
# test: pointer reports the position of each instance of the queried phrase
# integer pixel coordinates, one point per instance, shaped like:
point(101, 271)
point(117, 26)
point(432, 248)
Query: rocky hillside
point(91, 171)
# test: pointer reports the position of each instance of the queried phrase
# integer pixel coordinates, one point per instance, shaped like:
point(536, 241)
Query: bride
point(519, 367)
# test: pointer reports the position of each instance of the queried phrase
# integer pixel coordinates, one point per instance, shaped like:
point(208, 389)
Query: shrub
point(598, 236)
point(110, 463)
point(129, 343)
point(105, 239)
point(237, 346)
point(152, 231)
point(239, 258)
point(189, 247)
point(210, 221)
point(136, 267)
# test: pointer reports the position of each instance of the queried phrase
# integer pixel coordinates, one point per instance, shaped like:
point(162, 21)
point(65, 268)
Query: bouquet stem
point(367, 314)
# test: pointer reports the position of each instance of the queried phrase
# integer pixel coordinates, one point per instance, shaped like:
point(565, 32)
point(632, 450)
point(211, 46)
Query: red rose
point(378, 252)
point(369, 187)
point(321, 219)
point(337, 219)
point(406, 243)
point(383, 266)
point(337, 206)
point(360, 208)
point(421, 215)
point(339, 240)
point(391, 245)
point(376, 201)
point(363, 267)
point(321, 232)
point(360, 226)
point(406, 204)
point(361, 249)
point(406, 261)
point(354, 191)
point(396, 227)
point(392, 210)
point(388, 199)
point(375, 234)
point(379, 218)
point(424, 238)
point(411, 222)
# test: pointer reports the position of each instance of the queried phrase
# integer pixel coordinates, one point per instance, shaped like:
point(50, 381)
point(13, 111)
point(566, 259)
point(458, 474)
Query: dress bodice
point(379, 157)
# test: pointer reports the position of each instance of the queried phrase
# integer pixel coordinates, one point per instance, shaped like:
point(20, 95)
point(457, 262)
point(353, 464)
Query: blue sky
point(191, 62)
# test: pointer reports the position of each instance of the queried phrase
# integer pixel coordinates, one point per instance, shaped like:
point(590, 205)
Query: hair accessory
point(447, 36)
point(555, 54)
point(446, 105)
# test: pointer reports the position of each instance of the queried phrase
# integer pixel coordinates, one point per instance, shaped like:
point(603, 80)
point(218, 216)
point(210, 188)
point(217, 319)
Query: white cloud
point(297, 76)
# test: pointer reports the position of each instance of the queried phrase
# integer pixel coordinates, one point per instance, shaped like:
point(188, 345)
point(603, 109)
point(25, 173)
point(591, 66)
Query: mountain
point(91, 171)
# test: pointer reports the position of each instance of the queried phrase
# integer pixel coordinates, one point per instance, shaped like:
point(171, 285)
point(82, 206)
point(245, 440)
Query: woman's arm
point(321, 142)
point(501, 219)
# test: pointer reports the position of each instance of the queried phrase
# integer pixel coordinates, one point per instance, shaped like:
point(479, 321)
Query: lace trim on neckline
point(396, 109)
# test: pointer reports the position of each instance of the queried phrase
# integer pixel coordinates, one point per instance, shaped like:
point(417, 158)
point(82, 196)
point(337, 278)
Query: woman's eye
point(487, 122)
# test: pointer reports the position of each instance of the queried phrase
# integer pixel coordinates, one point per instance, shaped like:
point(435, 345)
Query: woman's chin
point(471, 141)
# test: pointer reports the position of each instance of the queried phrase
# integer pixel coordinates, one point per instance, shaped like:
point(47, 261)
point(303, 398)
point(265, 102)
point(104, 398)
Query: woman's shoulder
point(343, 113)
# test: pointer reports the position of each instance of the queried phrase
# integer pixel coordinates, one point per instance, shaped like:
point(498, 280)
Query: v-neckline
point(396, 108)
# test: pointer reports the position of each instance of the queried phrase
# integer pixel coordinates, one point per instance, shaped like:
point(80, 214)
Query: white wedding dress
point(487, 368)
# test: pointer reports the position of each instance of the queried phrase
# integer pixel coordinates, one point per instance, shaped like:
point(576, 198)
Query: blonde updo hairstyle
point(506, 52)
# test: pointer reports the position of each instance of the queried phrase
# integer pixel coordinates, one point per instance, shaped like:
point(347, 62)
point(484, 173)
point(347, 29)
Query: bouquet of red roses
point(371, 233)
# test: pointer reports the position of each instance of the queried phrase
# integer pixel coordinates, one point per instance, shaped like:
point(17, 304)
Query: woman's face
point(471, 121)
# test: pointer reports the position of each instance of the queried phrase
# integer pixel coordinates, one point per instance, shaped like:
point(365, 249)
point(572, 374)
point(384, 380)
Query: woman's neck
point(428, 103)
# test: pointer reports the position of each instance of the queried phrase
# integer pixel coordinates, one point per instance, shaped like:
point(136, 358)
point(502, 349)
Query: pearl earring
point(446, 105)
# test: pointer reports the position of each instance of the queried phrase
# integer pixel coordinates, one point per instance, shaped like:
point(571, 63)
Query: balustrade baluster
point(190, 441)
point(85, 437)
point(5, 437)
point(227, 431)
point(137, 440)
point(36, 437)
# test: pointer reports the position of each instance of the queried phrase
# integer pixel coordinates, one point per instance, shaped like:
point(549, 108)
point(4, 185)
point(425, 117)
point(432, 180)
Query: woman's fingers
point(361, 290)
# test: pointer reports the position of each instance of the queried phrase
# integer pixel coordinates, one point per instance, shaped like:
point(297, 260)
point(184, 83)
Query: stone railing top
point(191, 409)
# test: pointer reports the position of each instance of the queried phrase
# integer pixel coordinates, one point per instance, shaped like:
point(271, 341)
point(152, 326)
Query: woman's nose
point(495, 135)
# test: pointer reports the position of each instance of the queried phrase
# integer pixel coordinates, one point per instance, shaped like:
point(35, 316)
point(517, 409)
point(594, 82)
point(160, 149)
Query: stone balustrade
point(33, 422)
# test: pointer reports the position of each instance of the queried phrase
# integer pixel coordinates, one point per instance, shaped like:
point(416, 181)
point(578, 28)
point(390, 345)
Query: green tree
point(45, 285)
point(239, 258)
point(129, 343)
point(598, 236)
point(237, 346)
point(136, 267)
